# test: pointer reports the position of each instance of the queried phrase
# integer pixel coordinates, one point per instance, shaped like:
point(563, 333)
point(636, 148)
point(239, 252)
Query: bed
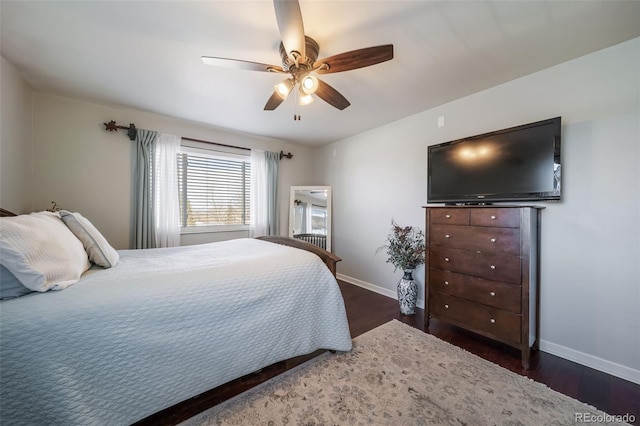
point(164, 325)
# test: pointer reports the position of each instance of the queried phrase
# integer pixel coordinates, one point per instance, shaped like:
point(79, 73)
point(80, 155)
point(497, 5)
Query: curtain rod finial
point(287, 155)
point(111, 126)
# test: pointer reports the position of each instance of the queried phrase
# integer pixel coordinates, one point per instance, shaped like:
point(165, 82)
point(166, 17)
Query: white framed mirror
point(310, 215)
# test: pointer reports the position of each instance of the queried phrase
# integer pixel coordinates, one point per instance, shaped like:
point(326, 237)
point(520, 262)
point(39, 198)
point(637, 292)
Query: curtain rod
point(112, 126)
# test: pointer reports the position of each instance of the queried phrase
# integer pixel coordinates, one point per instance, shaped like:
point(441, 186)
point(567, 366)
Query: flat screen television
point(521, 163)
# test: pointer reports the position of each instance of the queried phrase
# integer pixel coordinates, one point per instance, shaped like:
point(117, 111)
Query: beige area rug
point(398, 375)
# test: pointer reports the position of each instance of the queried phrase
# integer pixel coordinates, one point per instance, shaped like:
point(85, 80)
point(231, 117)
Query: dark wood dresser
point(482, 271)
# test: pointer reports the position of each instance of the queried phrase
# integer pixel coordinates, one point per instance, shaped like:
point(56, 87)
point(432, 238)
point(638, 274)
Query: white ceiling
point(146, 54)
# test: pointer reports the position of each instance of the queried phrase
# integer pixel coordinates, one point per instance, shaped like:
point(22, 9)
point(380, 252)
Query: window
point(318, 220)
point(213, 190)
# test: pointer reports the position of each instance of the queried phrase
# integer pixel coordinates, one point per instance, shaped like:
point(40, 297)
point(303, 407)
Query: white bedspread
point(160, 327)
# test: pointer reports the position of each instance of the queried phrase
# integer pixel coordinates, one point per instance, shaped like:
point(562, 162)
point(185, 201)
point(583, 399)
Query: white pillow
point(41, 251)
point(96, 246)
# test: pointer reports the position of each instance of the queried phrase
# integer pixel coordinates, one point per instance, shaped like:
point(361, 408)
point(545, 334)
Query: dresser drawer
point(502, 217)
point(452, 216)
point(496, 267)
point(495, 323)
point(492, 293)
point(477, 238)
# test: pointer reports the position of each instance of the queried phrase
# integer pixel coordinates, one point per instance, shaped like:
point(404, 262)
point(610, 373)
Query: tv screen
point(517, 164)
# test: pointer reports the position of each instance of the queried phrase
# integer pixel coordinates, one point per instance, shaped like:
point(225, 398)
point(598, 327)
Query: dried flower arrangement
point(405, 246)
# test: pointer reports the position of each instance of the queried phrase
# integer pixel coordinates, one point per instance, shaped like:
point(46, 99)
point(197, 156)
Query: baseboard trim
point(591, 361)
point(375, 288)
point(582, 358)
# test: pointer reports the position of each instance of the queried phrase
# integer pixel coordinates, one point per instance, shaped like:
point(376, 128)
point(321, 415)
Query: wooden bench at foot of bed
point(328, 258)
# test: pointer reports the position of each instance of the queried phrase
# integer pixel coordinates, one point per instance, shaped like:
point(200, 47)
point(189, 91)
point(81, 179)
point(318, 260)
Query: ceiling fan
point(299, 54)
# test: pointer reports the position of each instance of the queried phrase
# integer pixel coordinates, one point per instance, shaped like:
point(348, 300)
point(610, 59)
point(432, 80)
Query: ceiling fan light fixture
point(305, 98)
point(284, 88)
point(309, 84)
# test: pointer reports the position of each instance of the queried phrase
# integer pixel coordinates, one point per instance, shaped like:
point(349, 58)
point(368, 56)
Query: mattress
point(162, 326)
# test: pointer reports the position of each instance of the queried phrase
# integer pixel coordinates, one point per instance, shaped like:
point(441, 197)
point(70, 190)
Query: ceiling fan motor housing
point(305, 64)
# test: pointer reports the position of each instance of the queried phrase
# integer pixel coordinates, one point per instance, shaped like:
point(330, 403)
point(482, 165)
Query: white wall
point(590, 279)
point(84, 168)
point(15, 140)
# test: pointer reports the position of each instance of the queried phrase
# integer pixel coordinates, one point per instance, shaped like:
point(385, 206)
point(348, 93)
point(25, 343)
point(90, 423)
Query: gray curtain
point(272, 163)
point(143, 223)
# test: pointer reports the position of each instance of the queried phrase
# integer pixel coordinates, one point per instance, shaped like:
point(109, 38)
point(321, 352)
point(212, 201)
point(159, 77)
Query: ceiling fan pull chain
point(296, 116)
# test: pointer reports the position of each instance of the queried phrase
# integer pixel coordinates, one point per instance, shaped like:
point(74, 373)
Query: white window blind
point(213, 189)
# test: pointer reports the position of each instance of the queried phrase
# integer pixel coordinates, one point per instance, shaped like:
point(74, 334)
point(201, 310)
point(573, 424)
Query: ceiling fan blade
point(238, 64)
point(290, 25)
point(331, 96)
point(274, 101)
point(355, 59)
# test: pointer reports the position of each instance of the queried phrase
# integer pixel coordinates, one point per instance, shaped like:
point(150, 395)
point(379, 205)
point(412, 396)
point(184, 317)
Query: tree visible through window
point(213, 190)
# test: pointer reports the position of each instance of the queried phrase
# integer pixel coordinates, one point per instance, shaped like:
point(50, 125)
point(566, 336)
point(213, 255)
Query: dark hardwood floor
point(367, 310)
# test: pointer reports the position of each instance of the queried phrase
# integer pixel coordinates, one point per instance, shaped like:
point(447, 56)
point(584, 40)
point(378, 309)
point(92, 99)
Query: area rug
point(398, 375)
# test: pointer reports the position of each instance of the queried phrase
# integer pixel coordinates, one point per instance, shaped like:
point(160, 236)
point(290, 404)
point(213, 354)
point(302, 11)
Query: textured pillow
point(41, 251)
point(97, 247)
point(10, 286)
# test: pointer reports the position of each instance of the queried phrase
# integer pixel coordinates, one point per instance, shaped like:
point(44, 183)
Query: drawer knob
point(446, 283)
point(493, 240)
point(493, 266)
point(493, 293)
point(446, 259)
point(493, 321)
point(446, 306)
point(447, 236)
point(448, 216)
point(493, 217)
